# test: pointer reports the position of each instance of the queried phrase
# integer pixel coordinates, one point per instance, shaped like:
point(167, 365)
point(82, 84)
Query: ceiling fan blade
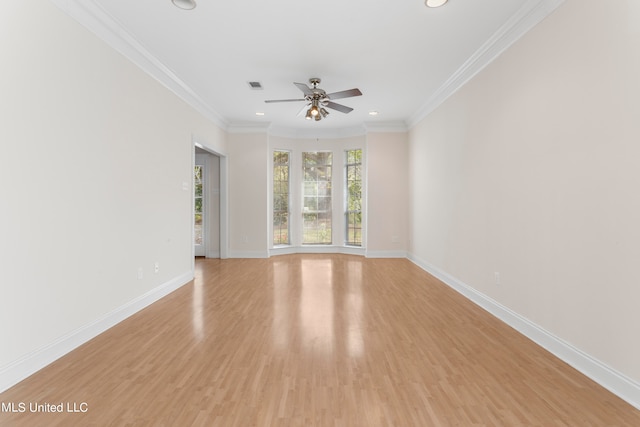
point(345, 94)
point(284, 100)
point(304, 88)
point(339, 107)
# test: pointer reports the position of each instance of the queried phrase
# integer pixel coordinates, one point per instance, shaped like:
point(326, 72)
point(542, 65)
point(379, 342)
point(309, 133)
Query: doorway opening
point(208, 205)
point(200, 186)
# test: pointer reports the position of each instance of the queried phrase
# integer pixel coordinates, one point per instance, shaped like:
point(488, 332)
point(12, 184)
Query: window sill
point(316, 249)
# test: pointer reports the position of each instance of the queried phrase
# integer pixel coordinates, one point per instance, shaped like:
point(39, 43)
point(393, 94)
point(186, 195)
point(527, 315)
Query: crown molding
point(248, 127)
point(529, 15)
point(316, 132)
point(386, 127)
point(93, 17)
point(327, 133)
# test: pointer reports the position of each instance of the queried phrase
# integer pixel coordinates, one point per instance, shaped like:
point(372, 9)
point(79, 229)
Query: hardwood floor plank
point(315, 340)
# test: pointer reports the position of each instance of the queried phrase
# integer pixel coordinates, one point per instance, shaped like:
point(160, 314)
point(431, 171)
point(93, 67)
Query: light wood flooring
point(314, 340)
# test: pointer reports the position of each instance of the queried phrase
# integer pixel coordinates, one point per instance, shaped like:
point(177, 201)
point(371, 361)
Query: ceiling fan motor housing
point(318, 94)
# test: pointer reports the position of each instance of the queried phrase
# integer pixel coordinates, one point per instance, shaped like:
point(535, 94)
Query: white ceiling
point(403, 56)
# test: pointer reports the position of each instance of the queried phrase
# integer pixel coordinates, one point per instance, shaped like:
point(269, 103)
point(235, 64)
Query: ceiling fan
point(317, 99)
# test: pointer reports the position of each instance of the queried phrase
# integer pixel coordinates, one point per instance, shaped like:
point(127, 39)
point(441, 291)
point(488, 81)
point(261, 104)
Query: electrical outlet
point(140, 273)
point(156, 267)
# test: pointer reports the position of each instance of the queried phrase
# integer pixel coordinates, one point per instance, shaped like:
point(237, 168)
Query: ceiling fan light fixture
point(185, 4)
point(308, 116)
point(324, 112)
point(314, 110)
point(434, 3)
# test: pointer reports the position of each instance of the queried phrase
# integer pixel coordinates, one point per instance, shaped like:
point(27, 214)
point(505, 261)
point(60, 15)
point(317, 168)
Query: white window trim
point(271, 197)
point(345, 197)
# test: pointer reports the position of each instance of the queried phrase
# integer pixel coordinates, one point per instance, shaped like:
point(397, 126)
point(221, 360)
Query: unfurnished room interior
point(288, 213)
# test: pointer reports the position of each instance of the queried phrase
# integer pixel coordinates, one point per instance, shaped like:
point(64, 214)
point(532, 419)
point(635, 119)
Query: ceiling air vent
point(255, 85)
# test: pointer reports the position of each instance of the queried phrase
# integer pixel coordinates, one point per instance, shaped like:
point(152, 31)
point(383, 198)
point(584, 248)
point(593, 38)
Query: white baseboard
point(617, 383)
point(386, 254)
point(248, 254)
point(213, 254)
point(29, 364)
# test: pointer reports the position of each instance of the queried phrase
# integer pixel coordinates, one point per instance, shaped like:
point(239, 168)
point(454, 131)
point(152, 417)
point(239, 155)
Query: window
point(317, 196)
point(197, 203)
point(281, 198)
point(353, 192)
point(316, 207)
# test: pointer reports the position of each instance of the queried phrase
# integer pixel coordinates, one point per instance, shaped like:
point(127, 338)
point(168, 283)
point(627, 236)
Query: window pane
point(321, 173)
point(310, 188)
point(324, 204)
point(310, 204)
point(281, 228)
point(324, 188)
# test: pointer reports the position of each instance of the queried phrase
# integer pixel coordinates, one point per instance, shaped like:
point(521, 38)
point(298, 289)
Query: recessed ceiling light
point(373, 113)
point(185, 4)
point(259, 113)
point(434, 3)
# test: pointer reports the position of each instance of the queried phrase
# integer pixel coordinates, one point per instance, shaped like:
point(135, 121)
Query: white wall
point(388, 194)
point(93, 157)
point(248, 186)
point(531, 170)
